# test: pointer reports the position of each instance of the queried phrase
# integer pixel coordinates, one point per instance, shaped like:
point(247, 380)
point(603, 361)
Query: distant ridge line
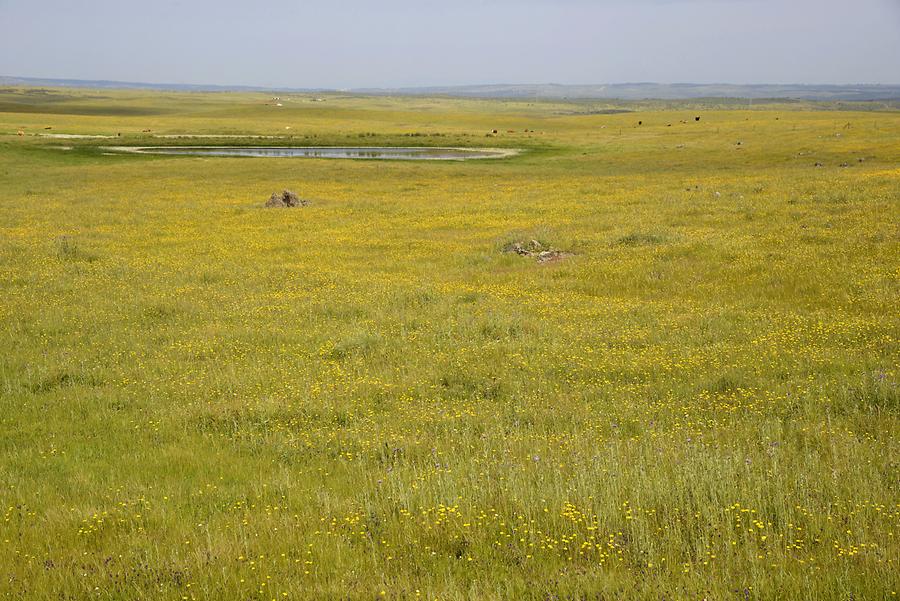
point(618, 91)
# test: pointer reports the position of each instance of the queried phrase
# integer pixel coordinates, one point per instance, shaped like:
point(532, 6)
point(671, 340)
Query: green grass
point(367, 398)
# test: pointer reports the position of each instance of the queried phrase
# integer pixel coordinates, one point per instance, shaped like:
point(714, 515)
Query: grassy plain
point(366, 399)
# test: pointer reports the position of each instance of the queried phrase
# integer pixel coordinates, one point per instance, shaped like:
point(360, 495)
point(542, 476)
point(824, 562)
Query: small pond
point(410, 153)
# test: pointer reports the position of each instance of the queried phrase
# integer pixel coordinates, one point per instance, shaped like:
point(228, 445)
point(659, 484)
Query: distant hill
point(102, 84)
point(619, 91)
point(655, 91)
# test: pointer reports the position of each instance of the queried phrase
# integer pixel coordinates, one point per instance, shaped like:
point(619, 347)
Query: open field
point(366, 398)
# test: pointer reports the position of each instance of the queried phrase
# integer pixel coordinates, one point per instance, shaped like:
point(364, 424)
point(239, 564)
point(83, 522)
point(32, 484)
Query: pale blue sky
point(356, 43)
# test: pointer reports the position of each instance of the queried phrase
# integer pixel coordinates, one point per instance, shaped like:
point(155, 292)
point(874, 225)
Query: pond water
point(413, 153)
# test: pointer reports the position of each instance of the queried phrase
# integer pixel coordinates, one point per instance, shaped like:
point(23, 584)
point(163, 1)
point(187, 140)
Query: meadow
point(366, 398)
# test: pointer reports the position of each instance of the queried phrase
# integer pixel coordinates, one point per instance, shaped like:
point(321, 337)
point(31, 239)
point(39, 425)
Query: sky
point(399, 43)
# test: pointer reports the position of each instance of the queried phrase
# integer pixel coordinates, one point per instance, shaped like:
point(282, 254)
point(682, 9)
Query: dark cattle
point(640, 122)
point(696, 118)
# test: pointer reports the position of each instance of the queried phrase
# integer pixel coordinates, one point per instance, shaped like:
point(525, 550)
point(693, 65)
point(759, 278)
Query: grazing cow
point(20, 133)
point(495, 132)
point(696, 118)
point(48, 127)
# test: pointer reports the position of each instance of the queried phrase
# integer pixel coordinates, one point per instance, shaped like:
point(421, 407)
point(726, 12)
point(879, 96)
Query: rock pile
point(286, 199)
point(537, 250)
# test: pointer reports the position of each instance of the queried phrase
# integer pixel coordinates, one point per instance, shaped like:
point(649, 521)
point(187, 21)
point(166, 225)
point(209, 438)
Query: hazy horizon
point(397, 43)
